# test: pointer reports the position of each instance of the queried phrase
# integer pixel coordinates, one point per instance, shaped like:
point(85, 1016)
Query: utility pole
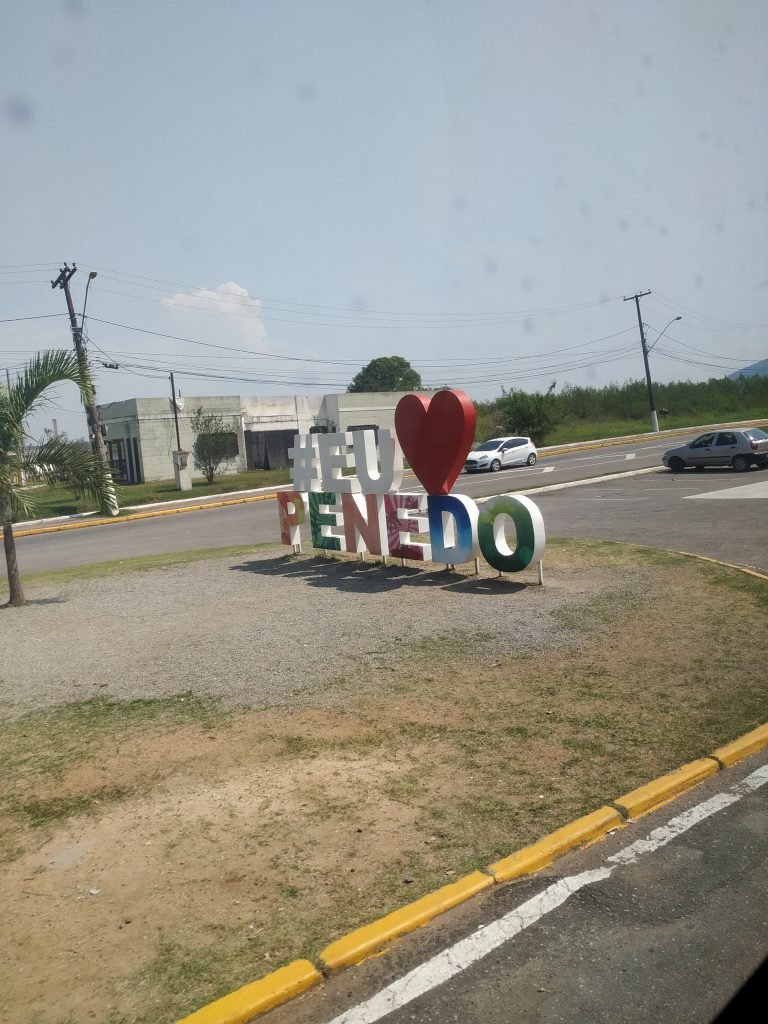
point(95, 426)
point(175, 414)
point(649, 385)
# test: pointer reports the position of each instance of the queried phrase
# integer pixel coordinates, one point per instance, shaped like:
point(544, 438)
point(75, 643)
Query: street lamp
point(674, 318)
point(85, 300)
point(649, 383)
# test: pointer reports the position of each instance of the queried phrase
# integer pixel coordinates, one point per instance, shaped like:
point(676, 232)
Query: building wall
point(365, 408)
point(151, 422)
point(282, 412)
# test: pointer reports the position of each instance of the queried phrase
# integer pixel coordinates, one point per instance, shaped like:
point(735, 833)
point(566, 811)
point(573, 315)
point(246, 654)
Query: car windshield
point(756, 434)
point(488, 446)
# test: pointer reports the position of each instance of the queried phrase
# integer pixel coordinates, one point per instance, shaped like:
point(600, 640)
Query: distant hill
point(760, 369)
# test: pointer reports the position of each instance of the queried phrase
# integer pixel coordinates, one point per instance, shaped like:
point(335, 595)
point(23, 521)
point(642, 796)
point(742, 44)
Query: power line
point(702, 352)
point(22, 268)
point(363, 321)
point(360, 313)
point(18, 319)
point(705, 316)
point(333, 362)
point(210, 344)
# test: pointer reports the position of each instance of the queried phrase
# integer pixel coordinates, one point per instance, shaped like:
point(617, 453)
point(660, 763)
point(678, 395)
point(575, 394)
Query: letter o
point(529, 527)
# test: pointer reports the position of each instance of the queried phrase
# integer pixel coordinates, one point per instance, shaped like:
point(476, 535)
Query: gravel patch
point(269, 631)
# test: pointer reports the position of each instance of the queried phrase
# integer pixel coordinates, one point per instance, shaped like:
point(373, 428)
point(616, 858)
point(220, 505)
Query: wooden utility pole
point(92, 415)
point(648, 383)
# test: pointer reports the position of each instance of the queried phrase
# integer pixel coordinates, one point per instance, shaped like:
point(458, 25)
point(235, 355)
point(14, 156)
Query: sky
point(274, 192)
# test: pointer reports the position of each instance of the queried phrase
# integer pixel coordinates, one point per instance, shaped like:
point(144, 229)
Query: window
point(703, 442)
point(724, 438)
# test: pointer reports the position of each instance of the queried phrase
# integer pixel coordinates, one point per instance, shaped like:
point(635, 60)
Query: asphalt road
point(614, 934)
point(715, 513)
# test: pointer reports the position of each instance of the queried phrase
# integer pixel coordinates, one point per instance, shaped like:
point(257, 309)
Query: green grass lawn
point(60, 501)
point(597, 430)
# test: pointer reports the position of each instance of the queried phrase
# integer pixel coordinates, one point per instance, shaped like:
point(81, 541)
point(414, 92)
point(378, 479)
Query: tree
point(55, 460)
point(531, 415)
point(213, 442)
point(387, 373)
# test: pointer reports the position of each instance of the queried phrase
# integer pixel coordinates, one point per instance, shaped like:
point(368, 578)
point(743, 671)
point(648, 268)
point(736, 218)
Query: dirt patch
point(162, 851)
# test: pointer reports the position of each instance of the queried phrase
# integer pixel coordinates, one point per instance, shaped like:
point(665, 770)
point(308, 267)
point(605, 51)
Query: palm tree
point(54, 461)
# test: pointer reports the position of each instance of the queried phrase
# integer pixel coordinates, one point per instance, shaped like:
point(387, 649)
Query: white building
point(141, 432)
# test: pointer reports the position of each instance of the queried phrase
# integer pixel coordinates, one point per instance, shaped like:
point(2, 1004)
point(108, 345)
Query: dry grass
point(223, 844)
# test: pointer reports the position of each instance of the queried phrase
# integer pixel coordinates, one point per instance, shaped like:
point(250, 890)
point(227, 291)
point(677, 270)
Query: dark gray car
point(737, 448)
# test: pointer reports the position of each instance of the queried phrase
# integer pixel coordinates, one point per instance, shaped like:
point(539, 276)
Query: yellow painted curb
point(716, 561)
point(743, 746)
point(118, 520)
point(358, 945)
point(538, 855)
point(282, 985)
point(662, 790)
point(259, 996)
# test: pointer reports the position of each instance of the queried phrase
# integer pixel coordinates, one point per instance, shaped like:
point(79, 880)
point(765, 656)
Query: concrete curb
point(581, 832)
point(659, 792)
point(745, 745)
point(283, 984)
point(363, 942)
point(84, 524)
point(119, 520)
point(259, 996)
point(543, 454)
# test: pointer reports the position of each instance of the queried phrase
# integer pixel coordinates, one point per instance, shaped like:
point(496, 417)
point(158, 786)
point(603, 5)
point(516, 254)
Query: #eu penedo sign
point(369, 512)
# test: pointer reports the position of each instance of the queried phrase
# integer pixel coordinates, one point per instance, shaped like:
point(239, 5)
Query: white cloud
point(240, 322)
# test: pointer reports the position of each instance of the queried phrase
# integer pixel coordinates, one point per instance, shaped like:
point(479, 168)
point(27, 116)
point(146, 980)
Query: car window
point(725, 438)
point(703, 442)
point(516, 442)
point(756, 434)
point(488, 446)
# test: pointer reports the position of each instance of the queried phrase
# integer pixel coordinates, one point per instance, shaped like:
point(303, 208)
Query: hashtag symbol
point(306, 463)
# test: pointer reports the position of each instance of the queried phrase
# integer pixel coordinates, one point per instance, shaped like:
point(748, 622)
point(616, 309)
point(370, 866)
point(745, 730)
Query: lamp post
point(664, 412)
point(85, 300)
point(674, 318)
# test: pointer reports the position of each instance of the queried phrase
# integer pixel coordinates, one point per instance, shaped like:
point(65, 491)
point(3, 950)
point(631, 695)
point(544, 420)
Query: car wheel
point(495, 466)
point(676, 465)
point(531, 461)
point(741, 463)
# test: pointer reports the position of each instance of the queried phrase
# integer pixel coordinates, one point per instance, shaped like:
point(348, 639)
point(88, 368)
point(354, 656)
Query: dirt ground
point(158, 852)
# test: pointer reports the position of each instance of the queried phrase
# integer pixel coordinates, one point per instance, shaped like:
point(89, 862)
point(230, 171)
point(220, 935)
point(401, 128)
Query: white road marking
point(630, 455)
point(759, 490)
point(463, 954)
point(487, 938)
point(548, 469)
point(661, 836)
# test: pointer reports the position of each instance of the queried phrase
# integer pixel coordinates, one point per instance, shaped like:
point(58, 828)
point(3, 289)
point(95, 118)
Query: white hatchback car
point(500, 452)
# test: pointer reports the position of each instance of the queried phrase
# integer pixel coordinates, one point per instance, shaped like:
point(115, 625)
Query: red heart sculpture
point(435, 435)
